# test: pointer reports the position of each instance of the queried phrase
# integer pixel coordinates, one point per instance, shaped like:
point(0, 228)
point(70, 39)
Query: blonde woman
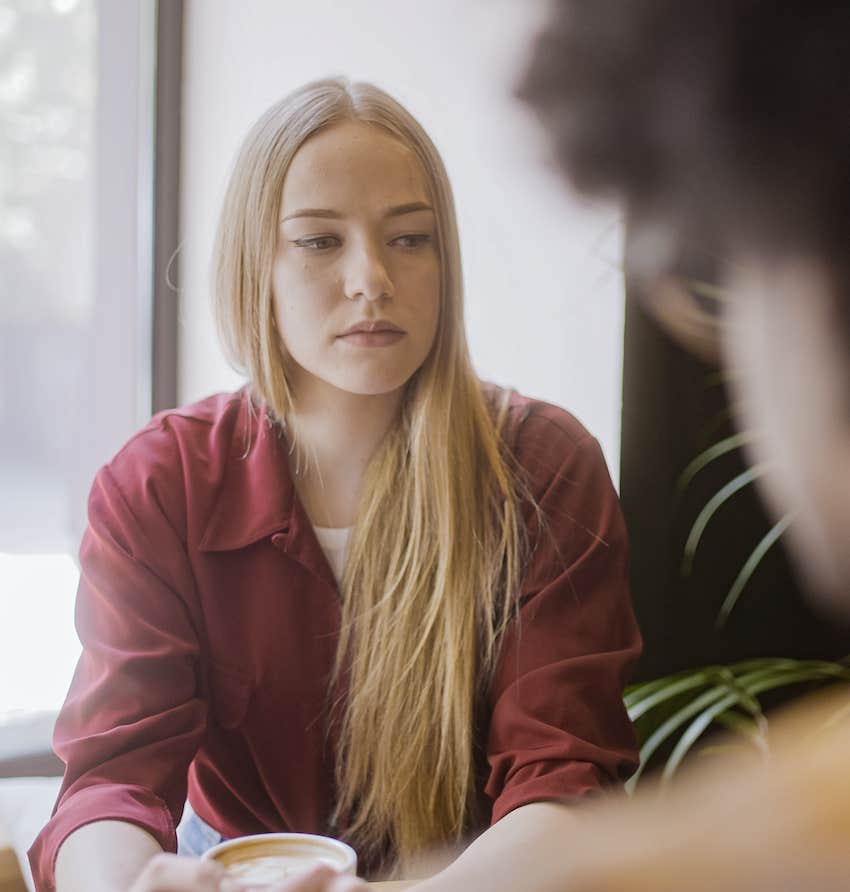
point(366, 596)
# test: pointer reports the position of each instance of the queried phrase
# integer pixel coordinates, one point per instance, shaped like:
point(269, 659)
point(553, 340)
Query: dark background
point(674, 406)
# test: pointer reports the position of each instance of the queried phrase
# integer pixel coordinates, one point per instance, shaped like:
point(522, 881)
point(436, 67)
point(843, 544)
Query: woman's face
point(357, 247)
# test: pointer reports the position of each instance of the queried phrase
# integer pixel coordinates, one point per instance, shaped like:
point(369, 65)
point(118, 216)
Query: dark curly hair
point(728, 118)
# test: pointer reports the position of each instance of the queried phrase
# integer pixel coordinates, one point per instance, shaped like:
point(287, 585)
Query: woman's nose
point(367, 276)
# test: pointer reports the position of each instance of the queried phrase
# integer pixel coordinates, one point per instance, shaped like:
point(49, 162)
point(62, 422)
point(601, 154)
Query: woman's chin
point(358, 385)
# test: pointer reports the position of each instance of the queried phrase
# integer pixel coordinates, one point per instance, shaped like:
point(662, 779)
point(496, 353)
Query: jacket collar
point(256, 497)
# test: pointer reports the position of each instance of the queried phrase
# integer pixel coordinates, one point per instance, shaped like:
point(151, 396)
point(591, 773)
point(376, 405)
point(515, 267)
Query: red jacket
point(208, 616)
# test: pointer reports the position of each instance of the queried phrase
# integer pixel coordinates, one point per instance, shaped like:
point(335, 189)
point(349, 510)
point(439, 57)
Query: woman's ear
point(679, 289)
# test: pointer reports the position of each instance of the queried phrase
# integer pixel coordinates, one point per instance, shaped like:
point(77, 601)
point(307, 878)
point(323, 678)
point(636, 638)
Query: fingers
point(348, 884)
point(344, 882)
point(171, 873)
point(322, 879)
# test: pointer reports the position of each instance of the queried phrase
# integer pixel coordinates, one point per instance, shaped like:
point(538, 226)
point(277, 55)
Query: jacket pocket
point(230, 694)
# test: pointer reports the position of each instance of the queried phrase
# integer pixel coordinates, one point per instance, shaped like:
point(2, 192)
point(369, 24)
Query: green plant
point(715, 503)
point(673, 714)
point(676, 717)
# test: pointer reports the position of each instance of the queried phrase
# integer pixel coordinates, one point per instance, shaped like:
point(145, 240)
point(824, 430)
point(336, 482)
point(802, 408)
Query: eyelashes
point(414, 240)
point(317, 243)
point(324, 243)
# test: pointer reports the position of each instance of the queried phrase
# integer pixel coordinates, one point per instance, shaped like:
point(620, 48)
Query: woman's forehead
point(352, 166)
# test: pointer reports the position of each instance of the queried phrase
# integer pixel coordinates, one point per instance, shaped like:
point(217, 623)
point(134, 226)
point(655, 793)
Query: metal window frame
point(166, 202)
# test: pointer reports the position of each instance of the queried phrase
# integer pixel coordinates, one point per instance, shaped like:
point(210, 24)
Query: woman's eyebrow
point(312, 212)
point(410, 208)
point(327, 213)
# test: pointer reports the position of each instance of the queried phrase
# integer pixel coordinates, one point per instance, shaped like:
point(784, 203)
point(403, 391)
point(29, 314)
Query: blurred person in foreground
point(724, 126)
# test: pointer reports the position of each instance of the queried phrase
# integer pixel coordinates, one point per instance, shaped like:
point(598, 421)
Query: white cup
point(272, 857)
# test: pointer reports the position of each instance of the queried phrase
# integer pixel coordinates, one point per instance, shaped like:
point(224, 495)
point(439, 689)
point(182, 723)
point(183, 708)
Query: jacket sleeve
point(558, 725)
point(133, 718)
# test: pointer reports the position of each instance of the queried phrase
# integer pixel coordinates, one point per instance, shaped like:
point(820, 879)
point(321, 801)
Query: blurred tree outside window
point(48, 85)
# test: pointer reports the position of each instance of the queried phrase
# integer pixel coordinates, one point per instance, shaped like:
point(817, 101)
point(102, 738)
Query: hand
point(173, 873)
point(321, 879)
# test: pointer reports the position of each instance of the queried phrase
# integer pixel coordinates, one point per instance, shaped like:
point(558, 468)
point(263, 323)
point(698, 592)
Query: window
point(76, 188)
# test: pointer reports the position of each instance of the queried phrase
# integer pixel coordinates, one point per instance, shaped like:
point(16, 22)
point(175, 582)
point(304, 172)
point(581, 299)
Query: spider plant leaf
point(732, 691)
point(719, 420)
point(637, 692)
point(788, 678)
point(750, 566)
point(745, 666)
point(674, 688)
point(765, 681)
point(746, 699)
point(693, 732)
point(672, 724)
point(739, 684)
point(792, 672)
point(712, 506)
point(754, 729)
point(722, 447)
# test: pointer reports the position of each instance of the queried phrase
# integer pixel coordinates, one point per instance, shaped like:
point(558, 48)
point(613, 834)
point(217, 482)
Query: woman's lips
point(385, 338)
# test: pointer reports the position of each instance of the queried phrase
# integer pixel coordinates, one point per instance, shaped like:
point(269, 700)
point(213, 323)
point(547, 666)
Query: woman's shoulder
point(548, 444)
point(563, 469)
point(202, 428)
point(525, 423)
point(181, 451)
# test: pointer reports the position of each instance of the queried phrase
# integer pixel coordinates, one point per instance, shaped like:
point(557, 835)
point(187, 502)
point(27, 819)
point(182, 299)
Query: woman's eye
point(414, 240)
point(318, 243)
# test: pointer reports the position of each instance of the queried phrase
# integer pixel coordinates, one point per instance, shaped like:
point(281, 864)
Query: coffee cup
point(270, 858)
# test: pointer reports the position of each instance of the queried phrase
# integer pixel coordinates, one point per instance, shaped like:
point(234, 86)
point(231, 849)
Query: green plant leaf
point(722, 447)
point(668, 727)
point(693, 732)
point(667, 692)
point(752, 665)
point(713, 505)
point(738, 695)
point(754, 729)
point(750, 566)
point(731, 688)
point(636, 692)
point(749, 702)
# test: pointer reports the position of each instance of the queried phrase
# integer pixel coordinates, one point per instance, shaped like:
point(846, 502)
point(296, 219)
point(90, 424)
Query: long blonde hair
point(436, 550)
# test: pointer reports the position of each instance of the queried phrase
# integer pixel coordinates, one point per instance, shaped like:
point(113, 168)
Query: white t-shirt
point(334, 542)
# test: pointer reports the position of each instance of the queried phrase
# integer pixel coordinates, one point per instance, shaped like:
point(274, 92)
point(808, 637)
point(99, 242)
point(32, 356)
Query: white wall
point(544, 293)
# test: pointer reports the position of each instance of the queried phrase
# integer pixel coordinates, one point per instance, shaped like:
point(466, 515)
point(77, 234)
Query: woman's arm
point(558, 729)
point(739, 824)
point(135, 713)
point(529, 849)
point(113, 856)
point(103, 856)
